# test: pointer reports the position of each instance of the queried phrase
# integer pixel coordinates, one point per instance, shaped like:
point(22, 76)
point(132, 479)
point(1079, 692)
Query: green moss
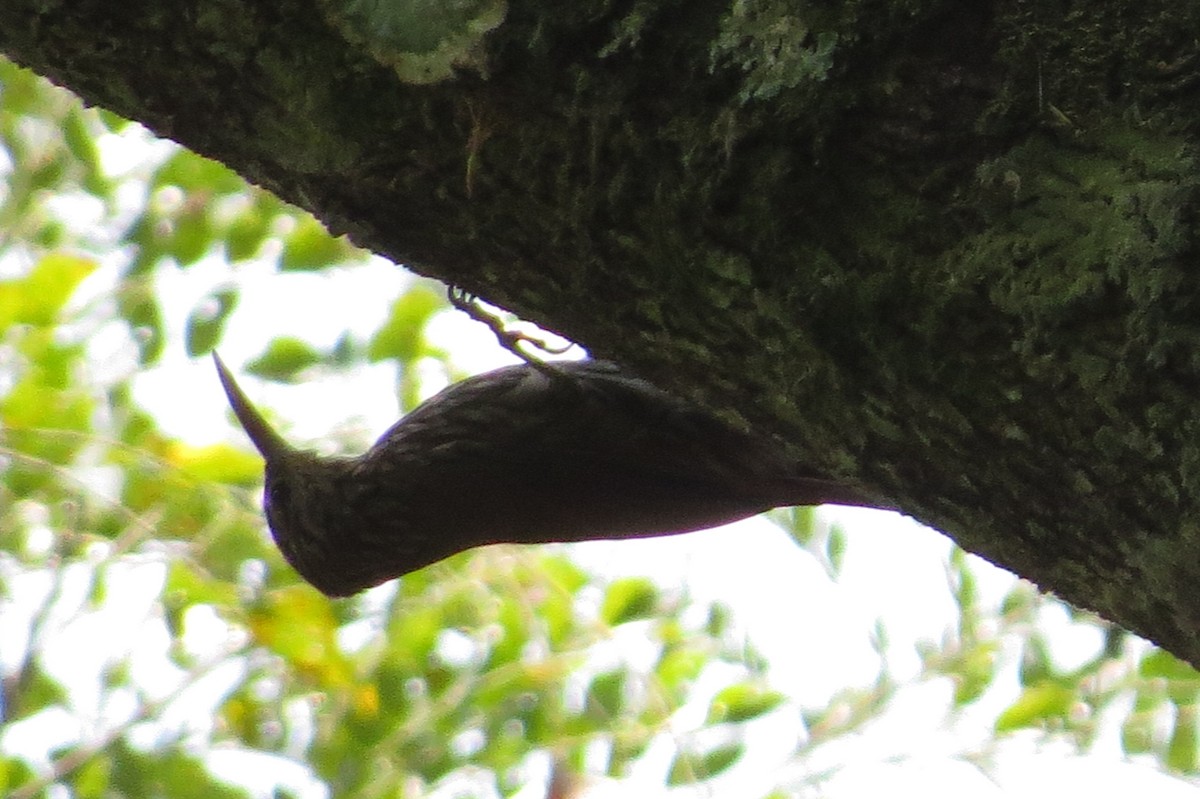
point(1084, 229)
point(425, 41)
point(774, 47)
point(312, 144)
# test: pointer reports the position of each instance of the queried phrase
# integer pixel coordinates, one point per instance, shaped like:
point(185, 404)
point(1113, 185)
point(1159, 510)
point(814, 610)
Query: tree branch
point(944, 252)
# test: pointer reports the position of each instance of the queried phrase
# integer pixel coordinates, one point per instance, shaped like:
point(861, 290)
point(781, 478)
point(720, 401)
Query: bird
point(530, 453)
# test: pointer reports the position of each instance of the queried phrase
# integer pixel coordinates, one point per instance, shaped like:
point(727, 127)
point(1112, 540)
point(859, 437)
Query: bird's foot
point(510, 339)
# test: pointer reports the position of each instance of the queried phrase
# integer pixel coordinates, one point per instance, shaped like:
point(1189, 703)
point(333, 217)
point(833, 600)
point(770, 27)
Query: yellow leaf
point(298, 624)
point(216, 463)
point(366, 700)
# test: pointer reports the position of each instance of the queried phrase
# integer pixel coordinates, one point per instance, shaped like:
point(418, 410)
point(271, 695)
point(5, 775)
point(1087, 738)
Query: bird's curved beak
point(269, 443)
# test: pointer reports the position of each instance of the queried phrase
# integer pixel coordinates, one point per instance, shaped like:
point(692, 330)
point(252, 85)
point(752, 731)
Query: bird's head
point(301, 500)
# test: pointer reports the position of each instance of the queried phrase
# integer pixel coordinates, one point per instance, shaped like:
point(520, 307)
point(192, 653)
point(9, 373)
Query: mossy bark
point(946, 252)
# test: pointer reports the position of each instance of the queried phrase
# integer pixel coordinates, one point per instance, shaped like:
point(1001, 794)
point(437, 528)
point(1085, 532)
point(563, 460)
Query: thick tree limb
point(947, 252)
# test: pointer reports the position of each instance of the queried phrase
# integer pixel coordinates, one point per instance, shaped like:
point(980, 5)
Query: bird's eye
point(276, 495)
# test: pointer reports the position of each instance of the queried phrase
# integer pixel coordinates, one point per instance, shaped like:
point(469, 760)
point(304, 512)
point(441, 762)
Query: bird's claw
point(511, 340)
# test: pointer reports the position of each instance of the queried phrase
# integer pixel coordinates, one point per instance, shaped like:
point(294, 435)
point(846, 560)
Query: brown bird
point(524, 454)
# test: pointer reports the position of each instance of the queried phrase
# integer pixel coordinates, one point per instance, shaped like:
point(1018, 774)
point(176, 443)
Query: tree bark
point(946, 252)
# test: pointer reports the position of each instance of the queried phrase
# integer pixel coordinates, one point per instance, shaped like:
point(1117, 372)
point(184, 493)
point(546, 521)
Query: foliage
point(155, 644)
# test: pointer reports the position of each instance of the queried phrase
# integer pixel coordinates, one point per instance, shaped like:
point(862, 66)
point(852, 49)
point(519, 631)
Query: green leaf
point(557, 608)
point(679, 666)
point(192, 172)
point(1036, 704)
point(345, 352)
point(1139, 732)
point(37, 298)
point(51, 283)
point(627, 599)
point(246, 234)
point(138, 305)
point(628, 744)
point(413, 634)
point(14, 773)
point(1036, 666)
point(402, 336)
point(742, 702)
point(33, 692)
point(80, 142)
point(167, 771)
point(206, 322)
point(49, 172)
point(606, 695)
point(688, 768)
point(192, 236)
point(974, 671)
point(10, 303)
point(1158, 663)
point(564, 575)
point(25, 94)
point(283, 358)
point(33, 404)
point(91, 780)
point(149, 236)
point(1182, 748)
point(227, 550)
point(964, 584)
point(799, 522)
point(835, 550)
point(719, 619)
point(310, 247)
point(1020, 602)
point(511, 626)
point(186, 586)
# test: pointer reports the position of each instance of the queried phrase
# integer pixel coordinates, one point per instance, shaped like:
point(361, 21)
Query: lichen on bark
point(424, 41)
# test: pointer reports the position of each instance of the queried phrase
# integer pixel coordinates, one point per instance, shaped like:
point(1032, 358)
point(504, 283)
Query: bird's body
point(523, 454)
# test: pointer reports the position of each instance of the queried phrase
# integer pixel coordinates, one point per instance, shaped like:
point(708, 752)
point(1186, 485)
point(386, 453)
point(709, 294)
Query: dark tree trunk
point(946, 251)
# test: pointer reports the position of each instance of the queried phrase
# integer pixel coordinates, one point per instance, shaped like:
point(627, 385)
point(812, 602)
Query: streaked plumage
point(569, 452)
